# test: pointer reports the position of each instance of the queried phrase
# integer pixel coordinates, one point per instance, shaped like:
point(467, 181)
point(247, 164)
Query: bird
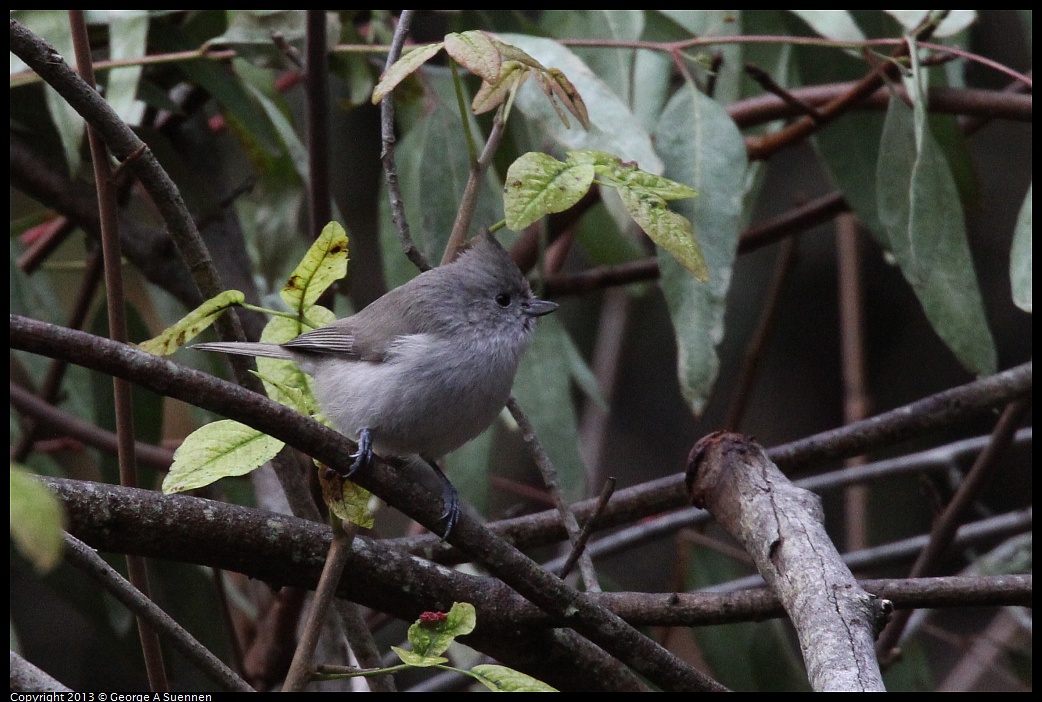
point(425, 368)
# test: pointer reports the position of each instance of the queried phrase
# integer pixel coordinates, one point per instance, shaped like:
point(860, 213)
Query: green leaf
point(538, 184)
point(400, 69)
point(644, 195)
point(218, 450)
point(499, 678)
point(919, 207)
point(1020, 257)
point(37, 520)
point(324, 264)
point(433, 633)
point(192, 324)
point(702, 146)
point(475, 51)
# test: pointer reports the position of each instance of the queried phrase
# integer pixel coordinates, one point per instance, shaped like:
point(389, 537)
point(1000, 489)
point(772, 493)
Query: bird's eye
point(503, 299)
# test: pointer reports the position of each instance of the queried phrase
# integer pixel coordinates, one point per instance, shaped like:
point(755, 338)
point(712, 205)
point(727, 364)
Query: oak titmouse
point(425, 368)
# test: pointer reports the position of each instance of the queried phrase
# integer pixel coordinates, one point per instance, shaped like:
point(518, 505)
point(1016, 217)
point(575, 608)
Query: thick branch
point(782, 528)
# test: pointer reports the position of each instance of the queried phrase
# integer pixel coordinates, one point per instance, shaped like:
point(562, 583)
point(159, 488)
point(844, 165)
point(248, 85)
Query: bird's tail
point(246, 348)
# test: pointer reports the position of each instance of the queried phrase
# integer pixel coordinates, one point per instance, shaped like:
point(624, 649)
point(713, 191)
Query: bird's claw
point(363, 456)
point(450, 515)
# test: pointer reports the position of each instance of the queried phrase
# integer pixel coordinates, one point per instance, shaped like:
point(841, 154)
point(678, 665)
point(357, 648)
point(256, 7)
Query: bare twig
point(303, 665)
point(317, 87)
point(47, 415)
point(767, 83)
point(549, 474)
point(26, 677)
point(946, 525)
point(387, 138)
point(116, 307)
point(469, 201)
point(362, 644)
point(855, 386)
point(46, 242)
point(584, 535)
point(95, 567)
point(797, 220)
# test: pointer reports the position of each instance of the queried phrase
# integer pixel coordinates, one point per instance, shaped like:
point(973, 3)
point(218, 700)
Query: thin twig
point(795, 221)
point(303, 665)
point(469, 201)
point(95, 567)
point(116, 307)
point(855, 386)
point(362, 644)
point(587, 529)
point(48, 238)
point(44, 414)
point(387, 139)
point(946, 525)
point(549, 474)
point(317, 88)
point(763, 78)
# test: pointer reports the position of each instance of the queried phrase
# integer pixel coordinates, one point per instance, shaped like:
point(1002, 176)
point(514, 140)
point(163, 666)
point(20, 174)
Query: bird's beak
point(537, 308)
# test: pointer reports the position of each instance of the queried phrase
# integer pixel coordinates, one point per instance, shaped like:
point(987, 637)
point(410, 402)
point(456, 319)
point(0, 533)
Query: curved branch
point(392, 482)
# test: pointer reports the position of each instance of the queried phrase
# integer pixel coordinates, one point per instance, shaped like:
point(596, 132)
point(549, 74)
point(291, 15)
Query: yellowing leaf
point(323, 264)
point(344, 498)
point(667, 229)
point(538, 184)
point(192, 324)
point(218, 450)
